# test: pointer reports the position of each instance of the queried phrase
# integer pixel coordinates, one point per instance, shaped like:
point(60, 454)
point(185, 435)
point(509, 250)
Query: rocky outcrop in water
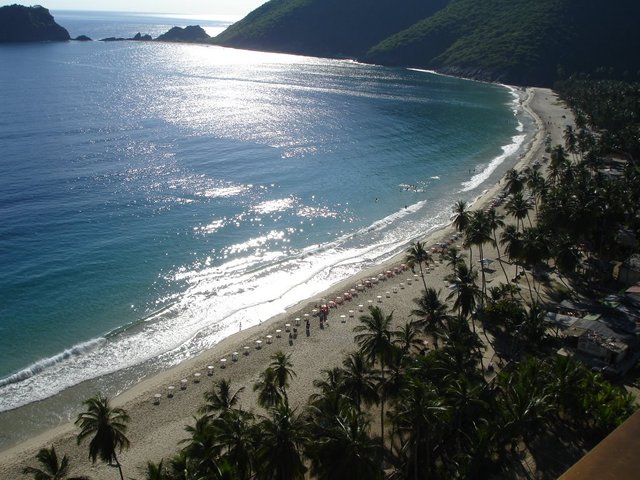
point(29, 24)
point(190, 34)
point(138, 37)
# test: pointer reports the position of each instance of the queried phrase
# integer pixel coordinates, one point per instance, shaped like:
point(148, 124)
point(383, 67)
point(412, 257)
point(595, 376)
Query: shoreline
point(102, 357)
point(319, 349)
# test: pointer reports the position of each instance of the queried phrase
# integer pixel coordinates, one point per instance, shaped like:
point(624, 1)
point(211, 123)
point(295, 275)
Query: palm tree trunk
point(495, 239)
point(424, 282)
point(428, 456)
point(528, 283)
point(382, 407)
point(473, 322)
point(118, 465)
point(481, 360)
point(415, 460)
point(484, 280)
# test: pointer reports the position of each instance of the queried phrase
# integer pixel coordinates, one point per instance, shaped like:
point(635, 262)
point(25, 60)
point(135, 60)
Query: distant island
point(138, 37)
point(190, 34)
point(36, 24)
point(29, 24)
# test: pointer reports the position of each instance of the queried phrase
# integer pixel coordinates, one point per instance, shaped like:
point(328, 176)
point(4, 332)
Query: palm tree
point(467, 294)
point(419, 255)
point(155, 471)
point(201, 448)
point(570, 140)
point(357, 381)
point(518, 207)
point(51, 468)
point(269, 394)
point(586, 141)
point(184, 468)
point(463, 398)
point(432, 313)
point(496, 221)
point(343, 450)
point(514, 181)
point(453, 257)
point(235, 433)
point(419, 418)
point(466, 291)
point(478, 233)
point(460, 353)
point(282, 367)
point(558, 163)
point(375, 344)
point(534, 249)
point(330, 399)
point(512, 241)
point(565, 253)
point(107, 426)
point(406, 338)
point(281, 439)
point(533, 330)
point(537, 184)
point(524, 401)
point(564, 375)
point(535, 246)
point(397, 373)
point(220, 399)
point(460, 215)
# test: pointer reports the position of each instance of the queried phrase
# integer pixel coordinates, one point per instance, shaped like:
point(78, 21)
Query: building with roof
point(597, 344)
point(627, 272)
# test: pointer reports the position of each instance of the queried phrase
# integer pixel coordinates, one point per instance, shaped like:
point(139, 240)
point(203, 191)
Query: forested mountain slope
point(325, 27)
point(520, 41)
point(514, 41)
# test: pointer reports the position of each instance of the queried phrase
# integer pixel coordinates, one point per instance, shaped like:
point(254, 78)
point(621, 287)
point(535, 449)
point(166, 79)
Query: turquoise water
point(154, 198)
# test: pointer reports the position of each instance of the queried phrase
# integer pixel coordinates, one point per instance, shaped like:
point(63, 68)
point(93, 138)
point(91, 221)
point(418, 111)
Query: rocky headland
point(29, 24)
point(190, 34)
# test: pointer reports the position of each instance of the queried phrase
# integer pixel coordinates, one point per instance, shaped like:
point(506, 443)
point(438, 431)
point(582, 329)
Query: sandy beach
point(156, 429)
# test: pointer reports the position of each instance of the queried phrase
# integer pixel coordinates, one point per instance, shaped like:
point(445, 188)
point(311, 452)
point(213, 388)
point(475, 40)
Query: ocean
point(155, 198)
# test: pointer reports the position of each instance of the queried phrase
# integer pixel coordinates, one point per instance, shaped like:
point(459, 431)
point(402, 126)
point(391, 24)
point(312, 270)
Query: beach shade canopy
point(486, 261)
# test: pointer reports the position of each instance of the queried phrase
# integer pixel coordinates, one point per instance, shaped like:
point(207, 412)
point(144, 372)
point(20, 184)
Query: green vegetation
point(513, 41)
point(611, 107)
point(331, 28)
point(517, 41)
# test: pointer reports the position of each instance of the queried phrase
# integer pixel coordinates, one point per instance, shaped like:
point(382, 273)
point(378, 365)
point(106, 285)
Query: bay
point(155, 198)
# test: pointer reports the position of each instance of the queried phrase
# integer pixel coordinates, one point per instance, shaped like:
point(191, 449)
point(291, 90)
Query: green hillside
point(519, 41)
point(514, 41)
point(325, 27)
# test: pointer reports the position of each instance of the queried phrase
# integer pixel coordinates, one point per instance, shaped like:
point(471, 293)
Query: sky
point(237, 8)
